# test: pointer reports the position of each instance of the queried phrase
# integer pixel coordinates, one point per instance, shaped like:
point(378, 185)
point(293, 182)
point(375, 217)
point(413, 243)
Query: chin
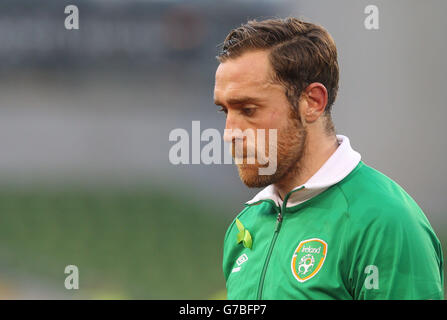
point(249, 174)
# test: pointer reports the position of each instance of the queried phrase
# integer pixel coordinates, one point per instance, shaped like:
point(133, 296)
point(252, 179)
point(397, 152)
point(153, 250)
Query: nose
point(231, 124)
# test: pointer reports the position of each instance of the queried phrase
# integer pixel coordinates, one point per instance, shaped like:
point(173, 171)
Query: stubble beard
point(290, 151)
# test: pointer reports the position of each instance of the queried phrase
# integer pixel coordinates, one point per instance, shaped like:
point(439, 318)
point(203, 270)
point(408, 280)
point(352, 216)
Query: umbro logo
point(242, 259)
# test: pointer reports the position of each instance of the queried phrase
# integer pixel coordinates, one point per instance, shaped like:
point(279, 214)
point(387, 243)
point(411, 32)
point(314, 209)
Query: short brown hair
point(300, 53)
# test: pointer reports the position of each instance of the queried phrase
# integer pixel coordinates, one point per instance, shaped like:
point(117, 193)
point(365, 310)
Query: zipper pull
point(279, 218)
point(278, 222)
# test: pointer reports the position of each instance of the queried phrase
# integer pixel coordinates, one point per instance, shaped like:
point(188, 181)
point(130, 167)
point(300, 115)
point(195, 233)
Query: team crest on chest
point(308, 258)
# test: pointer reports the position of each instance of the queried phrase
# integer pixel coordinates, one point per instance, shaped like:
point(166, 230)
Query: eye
point(248, 111)
point(222, 109)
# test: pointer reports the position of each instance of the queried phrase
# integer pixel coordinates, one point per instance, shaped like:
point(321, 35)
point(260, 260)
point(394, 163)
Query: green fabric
point(362, 238)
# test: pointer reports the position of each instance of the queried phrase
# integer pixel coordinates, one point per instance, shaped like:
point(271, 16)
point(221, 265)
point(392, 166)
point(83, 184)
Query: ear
point(315, 96)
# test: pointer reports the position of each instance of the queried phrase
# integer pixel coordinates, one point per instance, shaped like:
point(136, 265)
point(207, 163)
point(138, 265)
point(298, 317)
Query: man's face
point(251, 100)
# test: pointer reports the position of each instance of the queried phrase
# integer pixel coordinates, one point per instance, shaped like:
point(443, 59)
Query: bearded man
point(327, 225)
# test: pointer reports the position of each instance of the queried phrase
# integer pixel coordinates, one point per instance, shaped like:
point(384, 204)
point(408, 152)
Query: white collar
point(335, 169)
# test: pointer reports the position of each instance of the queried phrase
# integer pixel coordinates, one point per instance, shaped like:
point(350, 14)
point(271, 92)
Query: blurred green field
point(127, 244)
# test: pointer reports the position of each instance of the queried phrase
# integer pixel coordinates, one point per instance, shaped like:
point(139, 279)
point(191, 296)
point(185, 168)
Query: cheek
point(279, 121)
point(276, 119)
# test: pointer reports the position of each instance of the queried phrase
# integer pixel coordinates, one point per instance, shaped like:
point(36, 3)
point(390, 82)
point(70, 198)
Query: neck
point(317, 150)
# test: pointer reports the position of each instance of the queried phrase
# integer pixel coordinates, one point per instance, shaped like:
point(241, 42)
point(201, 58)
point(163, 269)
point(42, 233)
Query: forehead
point(250, 71)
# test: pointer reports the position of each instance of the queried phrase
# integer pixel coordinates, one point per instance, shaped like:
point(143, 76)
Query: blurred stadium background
point(85, 117)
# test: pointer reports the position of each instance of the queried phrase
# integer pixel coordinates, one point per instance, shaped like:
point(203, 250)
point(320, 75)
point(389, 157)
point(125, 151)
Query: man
point(326, 226)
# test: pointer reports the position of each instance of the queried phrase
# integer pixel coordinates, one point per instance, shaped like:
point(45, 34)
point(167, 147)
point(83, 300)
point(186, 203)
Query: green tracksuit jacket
point(362, 237)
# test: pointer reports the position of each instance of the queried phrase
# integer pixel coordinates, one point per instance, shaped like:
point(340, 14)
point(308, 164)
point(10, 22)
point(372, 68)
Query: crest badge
point(308, 258)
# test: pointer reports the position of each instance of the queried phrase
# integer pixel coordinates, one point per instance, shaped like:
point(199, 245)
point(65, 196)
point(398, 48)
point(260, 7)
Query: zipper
point(272, 243)
point(279, 219)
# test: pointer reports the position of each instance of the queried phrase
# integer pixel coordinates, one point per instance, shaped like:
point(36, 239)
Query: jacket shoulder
point(373, 196)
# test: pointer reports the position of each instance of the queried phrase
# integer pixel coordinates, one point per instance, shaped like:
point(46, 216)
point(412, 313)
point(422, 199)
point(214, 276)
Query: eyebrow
point(239, 100)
